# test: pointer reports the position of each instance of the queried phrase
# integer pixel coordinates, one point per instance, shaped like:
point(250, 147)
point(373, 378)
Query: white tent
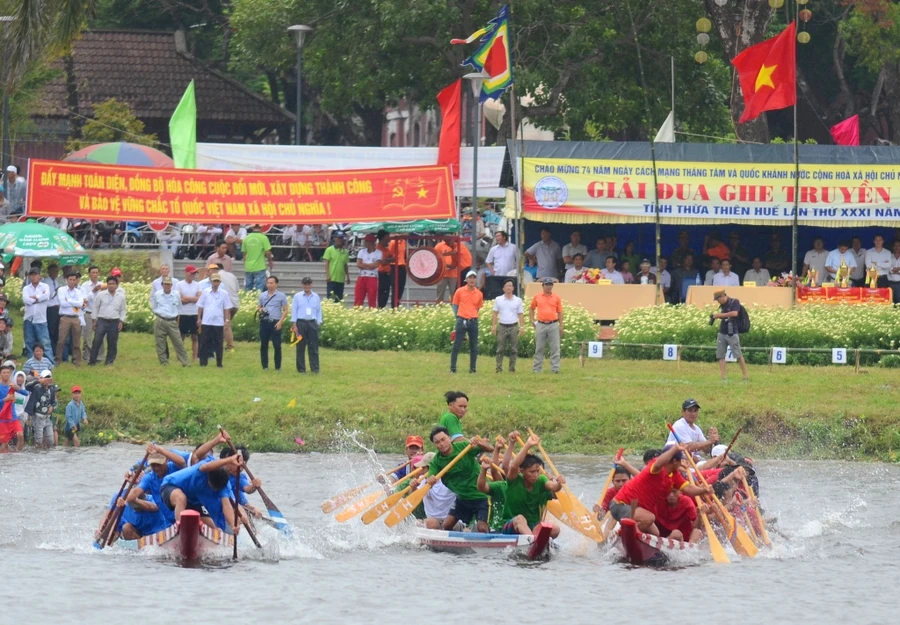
point(250, 157)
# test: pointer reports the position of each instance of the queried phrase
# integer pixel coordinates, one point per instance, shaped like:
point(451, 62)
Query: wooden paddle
point(755, 502)
point(107, 533)
point(339, 500)
point(246, 523)
point(577, 511)
point(609, 478)
point(98, 544)
point(731, 444)
point(406, 505)
point(388, 502)
point(742, 543)
point(236, 503)
point(715, 546)
point(271, 508)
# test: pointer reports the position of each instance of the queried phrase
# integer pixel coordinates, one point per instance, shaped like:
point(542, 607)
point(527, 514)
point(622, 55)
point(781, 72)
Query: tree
point(112, 121)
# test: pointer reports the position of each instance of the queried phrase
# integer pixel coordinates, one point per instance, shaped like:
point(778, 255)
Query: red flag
point(450, 99)
point(495, 64)
point(768, 74)
point(846, 132)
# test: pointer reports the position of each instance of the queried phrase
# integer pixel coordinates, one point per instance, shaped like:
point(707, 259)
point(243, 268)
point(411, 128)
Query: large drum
point(424, 266)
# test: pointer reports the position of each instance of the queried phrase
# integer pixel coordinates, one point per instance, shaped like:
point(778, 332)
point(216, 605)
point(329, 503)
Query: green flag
point(183, 131)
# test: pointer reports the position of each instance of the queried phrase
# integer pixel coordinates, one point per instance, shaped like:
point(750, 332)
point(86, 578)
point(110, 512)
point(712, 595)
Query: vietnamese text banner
point(578, 190)
point(93, 191)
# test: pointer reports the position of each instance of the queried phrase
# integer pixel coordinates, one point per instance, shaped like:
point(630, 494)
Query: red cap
point(370, 238)
point(76, 389)
point(415, 440)
point(116, 272)
point(190, 269)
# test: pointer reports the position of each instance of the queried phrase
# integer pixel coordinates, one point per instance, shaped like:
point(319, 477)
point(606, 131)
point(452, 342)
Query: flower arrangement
point(588, 276)
point(785, 280)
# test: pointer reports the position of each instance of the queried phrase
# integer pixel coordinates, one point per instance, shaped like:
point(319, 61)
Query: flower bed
point(424, 328)
point(819, 326)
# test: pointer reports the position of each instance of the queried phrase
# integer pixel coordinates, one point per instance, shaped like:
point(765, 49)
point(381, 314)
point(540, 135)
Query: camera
point(712, 320)
point(263, 314)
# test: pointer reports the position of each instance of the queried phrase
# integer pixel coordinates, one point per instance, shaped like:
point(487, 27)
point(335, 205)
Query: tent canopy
point(421, 226)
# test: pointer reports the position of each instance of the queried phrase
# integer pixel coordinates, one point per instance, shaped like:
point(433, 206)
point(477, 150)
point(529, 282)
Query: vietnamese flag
point(450, 100)
point(768, 74)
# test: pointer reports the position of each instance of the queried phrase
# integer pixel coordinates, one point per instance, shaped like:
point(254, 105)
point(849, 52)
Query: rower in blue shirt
point(203, 488)
point(147, 515)
point(247, 485)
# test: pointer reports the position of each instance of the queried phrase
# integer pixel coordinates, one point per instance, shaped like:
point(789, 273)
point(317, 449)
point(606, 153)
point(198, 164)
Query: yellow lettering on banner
point(48, 178)
point(173, 185)
point(95, 181)
point(278, 188)
point(157, 206)
point(301, 188)
point(268, 209)
point(99, 203)
point(70, 181)
point(192, 208)
point(195, 186)
point(235, 209)
point(116, 183)
point(258, 188)
point(215, 209)
point(219, 187)
point(132, 205)
point(306, 209)
point(359, 186)
point(287, 209)
point(331, 187)
point(136, 183)
point(239, 187)
point(84, 202)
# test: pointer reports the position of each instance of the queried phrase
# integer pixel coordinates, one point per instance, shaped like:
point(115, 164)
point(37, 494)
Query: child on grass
point(75, 416)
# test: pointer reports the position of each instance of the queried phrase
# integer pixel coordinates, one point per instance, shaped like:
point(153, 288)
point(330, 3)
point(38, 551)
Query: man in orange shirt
point(467, 302)
point(455, 255)
point(548, 327)
point(397, 249)
point(384, 269)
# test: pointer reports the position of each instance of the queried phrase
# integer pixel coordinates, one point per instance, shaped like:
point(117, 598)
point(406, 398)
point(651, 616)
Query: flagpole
point(658, 229)
point(796, 220)
point(517, 169)
point(672, 59)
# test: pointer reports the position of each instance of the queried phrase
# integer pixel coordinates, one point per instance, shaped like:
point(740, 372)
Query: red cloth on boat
point(649, 488)
point(679, 517)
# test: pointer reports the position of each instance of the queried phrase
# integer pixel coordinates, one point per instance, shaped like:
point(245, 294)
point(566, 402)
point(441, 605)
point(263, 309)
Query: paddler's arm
point(212, 465)
point(555, 485)
point(627, 466)
point(228, 513)
point(696, 491)
point(482, 476)
point(136, 502)
point(495, 459)
point(170, 455)
point(508, 456)
point(666, 457)
point(513, 472)
point(203, 450)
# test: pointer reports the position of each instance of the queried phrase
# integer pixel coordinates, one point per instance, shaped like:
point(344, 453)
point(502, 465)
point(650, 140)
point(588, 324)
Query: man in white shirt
point(715, 266)
point(234, 236)
point(894, 274)
point(577, 268)
point(834, 260)
point(230, 285)
point(90, 289)
point(881, 258)
point(546, 254)
point(757, 275)
point(166, 305)
point(368, 261)
point(213, 310)
point(206, 240)
point(858, 275)
point(503, 259)
point(609, 272)
point(62, 223)
point(53, 283)
point(35, 296)
point(725, 277)
point(190, 291)
point(71, 308)
point(815, 259)
point(689, 432)
point(156, 285)
point(574, 247)
point(664, 277)
point(508, 324)
point(109, 319)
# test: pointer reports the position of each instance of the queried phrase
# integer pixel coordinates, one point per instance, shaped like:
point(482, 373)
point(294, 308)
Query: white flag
point(666, 132)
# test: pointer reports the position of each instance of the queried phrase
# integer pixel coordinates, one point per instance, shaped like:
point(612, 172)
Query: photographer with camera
point(729, 331)
point(272, 310)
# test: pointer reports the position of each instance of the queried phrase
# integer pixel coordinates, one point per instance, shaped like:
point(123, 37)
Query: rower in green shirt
point(526, 492)
point(461, 479)
point(457, 406)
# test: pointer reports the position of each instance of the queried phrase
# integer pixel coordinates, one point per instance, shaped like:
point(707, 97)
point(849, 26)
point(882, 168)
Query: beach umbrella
point(33, 240)
point(419, 226)
point(121, 153)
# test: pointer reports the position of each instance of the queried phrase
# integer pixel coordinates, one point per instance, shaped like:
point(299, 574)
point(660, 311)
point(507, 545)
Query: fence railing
point(774, 355)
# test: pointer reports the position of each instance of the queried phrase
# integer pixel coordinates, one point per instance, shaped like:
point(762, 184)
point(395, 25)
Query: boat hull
point(646, 549)
point(533, 546)
point(190, 540)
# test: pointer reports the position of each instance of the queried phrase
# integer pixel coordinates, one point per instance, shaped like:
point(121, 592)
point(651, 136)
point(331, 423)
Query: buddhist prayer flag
point(846, 132)
point(183, 131)
point(492, 56)
point(450, 100)
point(768, 74)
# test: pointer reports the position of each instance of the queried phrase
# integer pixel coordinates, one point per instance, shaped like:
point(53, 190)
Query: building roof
point(147, 70)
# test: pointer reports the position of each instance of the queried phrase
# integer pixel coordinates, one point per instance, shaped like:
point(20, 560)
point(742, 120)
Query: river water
point(835, 559)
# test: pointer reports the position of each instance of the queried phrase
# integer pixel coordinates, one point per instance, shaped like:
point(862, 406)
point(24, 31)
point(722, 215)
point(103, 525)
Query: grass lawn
point(792, 411)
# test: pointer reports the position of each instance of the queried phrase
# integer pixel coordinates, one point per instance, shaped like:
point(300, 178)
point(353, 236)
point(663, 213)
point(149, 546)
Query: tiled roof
point(144, 69)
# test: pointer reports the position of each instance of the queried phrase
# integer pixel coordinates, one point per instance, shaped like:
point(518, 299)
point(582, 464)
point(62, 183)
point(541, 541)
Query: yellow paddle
point(576, 511)
point(759, 517)
point(357, 506)
point(406, 505)
point(718, 551)
point(388, 502)
point(742, 543)
point(339, 500)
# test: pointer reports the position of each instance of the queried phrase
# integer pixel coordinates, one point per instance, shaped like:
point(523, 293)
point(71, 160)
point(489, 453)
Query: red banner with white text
point(113, 192)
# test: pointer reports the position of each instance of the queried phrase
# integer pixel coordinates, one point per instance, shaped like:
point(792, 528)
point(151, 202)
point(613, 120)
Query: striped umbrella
point(121, 154)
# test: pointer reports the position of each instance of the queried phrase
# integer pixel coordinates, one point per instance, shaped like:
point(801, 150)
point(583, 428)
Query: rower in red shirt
point(677, 518)
point(651, 487)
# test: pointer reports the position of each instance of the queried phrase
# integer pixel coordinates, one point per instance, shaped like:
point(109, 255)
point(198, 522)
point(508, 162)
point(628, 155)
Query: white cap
point(13, 169)
point(46, 374)
point(471, 273)
point(718, 450)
